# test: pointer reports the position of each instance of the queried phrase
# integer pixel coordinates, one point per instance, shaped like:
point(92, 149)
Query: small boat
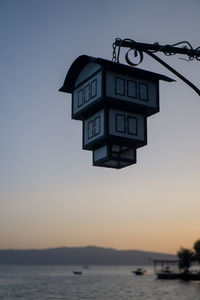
point(139, 271)
point(77, 273)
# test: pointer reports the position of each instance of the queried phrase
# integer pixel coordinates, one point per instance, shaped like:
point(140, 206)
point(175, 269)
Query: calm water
point(96, 283)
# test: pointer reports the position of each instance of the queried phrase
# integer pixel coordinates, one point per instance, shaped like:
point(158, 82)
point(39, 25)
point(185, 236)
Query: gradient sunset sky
point(50, 194)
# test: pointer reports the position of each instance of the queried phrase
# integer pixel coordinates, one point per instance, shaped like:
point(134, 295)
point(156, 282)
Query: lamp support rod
point(150, 49)
point(166, 49)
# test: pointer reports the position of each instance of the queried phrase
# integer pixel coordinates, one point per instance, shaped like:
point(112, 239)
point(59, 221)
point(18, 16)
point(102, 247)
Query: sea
point(95, 283)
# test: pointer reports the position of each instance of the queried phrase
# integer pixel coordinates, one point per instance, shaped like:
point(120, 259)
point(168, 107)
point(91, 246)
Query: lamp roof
point(83, 60)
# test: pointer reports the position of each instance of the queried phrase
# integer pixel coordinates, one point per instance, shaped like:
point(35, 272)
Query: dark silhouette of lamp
point(113, 101)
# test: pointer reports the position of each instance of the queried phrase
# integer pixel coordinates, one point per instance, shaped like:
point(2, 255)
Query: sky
point(50, 194)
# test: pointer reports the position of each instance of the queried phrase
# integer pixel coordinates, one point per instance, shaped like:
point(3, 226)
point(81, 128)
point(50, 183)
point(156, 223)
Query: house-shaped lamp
point(113, 101)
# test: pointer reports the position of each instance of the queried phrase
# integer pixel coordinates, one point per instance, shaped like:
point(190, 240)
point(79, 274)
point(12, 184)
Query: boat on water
point(77, 273)
point(139, 271)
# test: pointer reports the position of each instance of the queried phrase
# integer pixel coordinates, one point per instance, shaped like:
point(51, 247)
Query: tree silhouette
point(185, 259)
point(197, 250)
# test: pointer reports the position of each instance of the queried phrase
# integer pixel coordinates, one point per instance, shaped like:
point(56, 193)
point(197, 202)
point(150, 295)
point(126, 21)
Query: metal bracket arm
point(150, 49)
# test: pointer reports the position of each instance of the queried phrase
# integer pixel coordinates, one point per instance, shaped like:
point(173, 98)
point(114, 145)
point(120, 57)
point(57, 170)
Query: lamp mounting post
point(150, 49)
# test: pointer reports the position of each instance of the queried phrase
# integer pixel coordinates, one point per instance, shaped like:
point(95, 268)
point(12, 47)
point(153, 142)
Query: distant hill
point(90, 255)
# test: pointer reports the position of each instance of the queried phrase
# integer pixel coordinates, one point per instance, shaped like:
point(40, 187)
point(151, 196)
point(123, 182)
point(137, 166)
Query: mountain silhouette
point(89, 255)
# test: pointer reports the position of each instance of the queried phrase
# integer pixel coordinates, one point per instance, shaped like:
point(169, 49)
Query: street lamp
point(113, 101)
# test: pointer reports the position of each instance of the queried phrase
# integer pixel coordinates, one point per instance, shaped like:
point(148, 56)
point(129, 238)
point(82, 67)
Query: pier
point(169, 269)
